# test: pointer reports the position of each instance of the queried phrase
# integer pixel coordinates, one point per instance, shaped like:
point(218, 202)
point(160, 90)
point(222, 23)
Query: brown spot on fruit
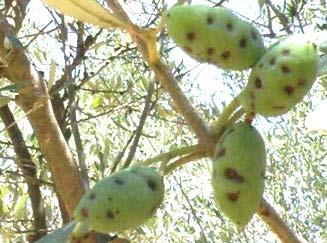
point(233, 196)
point(210, 51)
point(188, 49)
point(262, 173)
point(168, 15)
point(84, 212)
point(258, 83)
point(285, 69)
point(190, 36)
point(242, 43)
point(119, 181)
point(209, 20)
point(301, 81)
point(225, 55)
point(92, 196)
point(109, 199)
point(261, 65)
point(152, 185)
point(254, 35)
point(221, 152)
point(110, 214)
point(286, 52)
point(232, 174)
point(272, 61)
point(289, 89)
point(229, 26)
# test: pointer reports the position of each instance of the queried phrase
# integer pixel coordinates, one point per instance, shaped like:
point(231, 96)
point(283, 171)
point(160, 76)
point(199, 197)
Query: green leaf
point(97, 101)
point(20, 207)
point(88, 11)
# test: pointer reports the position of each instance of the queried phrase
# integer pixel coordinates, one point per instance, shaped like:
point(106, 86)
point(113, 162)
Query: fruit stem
point(165, 157)
point(223, 119)
point(184, 160)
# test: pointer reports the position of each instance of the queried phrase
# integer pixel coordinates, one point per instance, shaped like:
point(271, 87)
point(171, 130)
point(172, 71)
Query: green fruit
point(214, 35)
point(238, 172)
point(124, 200)
point(282, 77)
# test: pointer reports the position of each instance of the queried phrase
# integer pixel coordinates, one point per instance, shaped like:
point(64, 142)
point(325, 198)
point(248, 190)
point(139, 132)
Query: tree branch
point(139, 129)
point(34, 100)
point(28, 169)
point(268, 214)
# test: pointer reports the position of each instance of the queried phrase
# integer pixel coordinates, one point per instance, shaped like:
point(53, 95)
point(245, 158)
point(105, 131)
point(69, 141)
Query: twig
point(268, 214)
point(139, 129)
point(193, 211)
point(182, 161)
point(225, 115)
point(281, 16)
point(172, 154)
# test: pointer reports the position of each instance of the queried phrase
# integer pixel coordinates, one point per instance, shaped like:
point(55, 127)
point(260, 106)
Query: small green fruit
point(282, 77)
point(238, 172)
point(214, 35)
point(124, 200)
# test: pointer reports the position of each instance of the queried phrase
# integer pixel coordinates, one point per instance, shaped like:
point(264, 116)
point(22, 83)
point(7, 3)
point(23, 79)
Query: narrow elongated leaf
point(89, 11)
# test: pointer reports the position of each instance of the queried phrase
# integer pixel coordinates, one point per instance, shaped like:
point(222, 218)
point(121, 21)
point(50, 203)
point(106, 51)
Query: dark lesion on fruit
point(226, 55)
point(209, 20)
point(233, 196)
point(289, 89)
point(221, 153)
point(242, 43)
point(210, 51)
point(229, 26)
point(92, 196)
point(190, 36)
point(109, 198)
point(232, 174)
point(285, 69)
point(151, 184)
point(110, 214)
point(118, 181)
point(286, 52)
point(258, 83)
point(272, 61)
point(85, 212)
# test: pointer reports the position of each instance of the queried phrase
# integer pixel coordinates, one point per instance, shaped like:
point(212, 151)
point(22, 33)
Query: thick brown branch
point(28, 169)
point(34, 100)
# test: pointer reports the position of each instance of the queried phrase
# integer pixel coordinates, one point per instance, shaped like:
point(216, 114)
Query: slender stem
point(268, 214)
point(172, 154)
point(225, 115)
point(182, 161)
